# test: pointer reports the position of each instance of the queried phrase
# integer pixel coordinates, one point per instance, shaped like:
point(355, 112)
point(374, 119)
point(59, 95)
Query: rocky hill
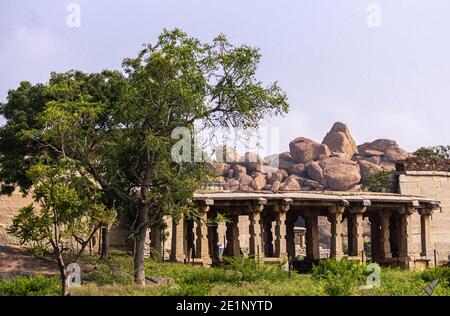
point(336, 164)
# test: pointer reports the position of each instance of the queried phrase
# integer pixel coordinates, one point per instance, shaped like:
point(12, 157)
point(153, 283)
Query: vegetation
point(442, 152)
point(377, 182)
point(68, 209)
point(118, 126)
point(239, 276)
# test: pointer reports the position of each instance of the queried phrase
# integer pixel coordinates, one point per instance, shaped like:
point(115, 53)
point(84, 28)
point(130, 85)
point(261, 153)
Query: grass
point(237, 277)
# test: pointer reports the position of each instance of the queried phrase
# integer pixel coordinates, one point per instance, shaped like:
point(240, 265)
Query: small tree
point(66, 207)
point(377, 182)
point(442, 152)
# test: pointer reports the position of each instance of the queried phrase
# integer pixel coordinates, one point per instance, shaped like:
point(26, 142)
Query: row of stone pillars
point(390, 233)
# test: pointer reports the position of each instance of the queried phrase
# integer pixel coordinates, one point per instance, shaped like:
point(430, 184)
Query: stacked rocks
point(336, 164)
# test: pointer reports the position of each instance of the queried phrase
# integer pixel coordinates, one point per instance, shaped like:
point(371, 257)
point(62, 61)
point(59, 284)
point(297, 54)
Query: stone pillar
point(280, 228)
point(385, 243)
point(177, 245)
point(335, 218)
point(355, 232)
point(312, 237)
point(189, 239)
point(255, 231)
point(233, 248)
point(425, 236)
point(405, 241)
point(213, 243)
point(155, 242)
point(202, 245)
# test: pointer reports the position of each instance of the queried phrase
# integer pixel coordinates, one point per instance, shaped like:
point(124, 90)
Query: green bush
point(31, 286)
point(441, 273)
point(377, 182)
point(110, 272)
point(249, 270)
point(340, 277)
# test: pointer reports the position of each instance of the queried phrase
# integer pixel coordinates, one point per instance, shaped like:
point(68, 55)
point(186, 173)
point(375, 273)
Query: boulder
point(378, 145)
point(368, 167)
point(315, 172)
point(226, 154)
point(219, 168)
point(374, 159)
point(314, 185)
point(251, 161)
point(340, 174)
point(339, 140)
point(304, 150)
point(277, 176)
point(290, 185)
point(297, 169)
point(258, 182)
point(231, 185)
point(281, 161)
point(276, 186)
point(245, 182)
point(239, 171)
point(395, 154)
point(372, 153)
point(230, 174)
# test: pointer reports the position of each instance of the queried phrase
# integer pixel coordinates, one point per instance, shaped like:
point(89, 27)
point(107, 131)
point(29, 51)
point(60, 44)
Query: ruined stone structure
point(271, 218)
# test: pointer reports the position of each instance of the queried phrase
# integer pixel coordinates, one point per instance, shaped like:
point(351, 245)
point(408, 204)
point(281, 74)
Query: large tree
point(118, 126)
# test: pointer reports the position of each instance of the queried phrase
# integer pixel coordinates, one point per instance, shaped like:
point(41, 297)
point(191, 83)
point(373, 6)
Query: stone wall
point(9, 205)
point(432, 184)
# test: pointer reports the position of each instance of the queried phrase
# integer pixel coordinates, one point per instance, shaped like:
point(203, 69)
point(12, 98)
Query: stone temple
point(307, 204)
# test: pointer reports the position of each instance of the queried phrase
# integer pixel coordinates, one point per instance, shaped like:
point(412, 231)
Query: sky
point(381, 67)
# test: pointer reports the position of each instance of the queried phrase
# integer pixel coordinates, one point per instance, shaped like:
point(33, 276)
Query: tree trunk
point(139, 271)
point(63, 274)
point(105, 243)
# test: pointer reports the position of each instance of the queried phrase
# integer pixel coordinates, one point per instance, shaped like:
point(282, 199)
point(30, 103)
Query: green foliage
point(377, 182)
point(110, 272)
point(441, 273)
point(69, 206)
point(31, 286)
point(442, 152)
point(249, 270)
point(340, 277)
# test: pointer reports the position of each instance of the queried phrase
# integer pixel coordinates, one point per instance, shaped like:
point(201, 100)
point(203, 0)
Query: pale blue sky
point(388, 82)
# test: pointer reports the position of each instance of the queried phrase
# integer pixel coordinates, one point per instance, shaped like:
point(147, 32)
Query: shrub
point(31, 286)
point(340, 277)
point(377, 182)
point(249, 270)
point(110, 271)
point(441, 273)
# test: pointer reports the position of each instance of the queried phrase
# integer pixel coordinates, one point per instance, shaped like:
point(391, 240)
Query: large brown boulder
point(245, 182)
point(339, 140)
point(226, 154)
point(252, 162)
point(219, 168)
point(340, 174)
point(298, 169)
point(282, 161)
point(259, 182)
point(378, 144)
point(315, 172)
point(290, 185)
point(239, 171)
point(395, 154)
point(231, 185)
point(304, 150)
point(368, 167)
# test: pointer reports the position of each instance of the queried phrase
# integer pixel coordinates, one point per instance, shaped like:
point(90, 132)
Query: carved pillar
point(355, 231)
point(335, 218)
point(405, 236)
point(385, 243)
point(213, 239)
point(280, 228)
point(255, 229)
point(177, 245)
point(425, 236)
point(312, 237)
point(202, 245)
